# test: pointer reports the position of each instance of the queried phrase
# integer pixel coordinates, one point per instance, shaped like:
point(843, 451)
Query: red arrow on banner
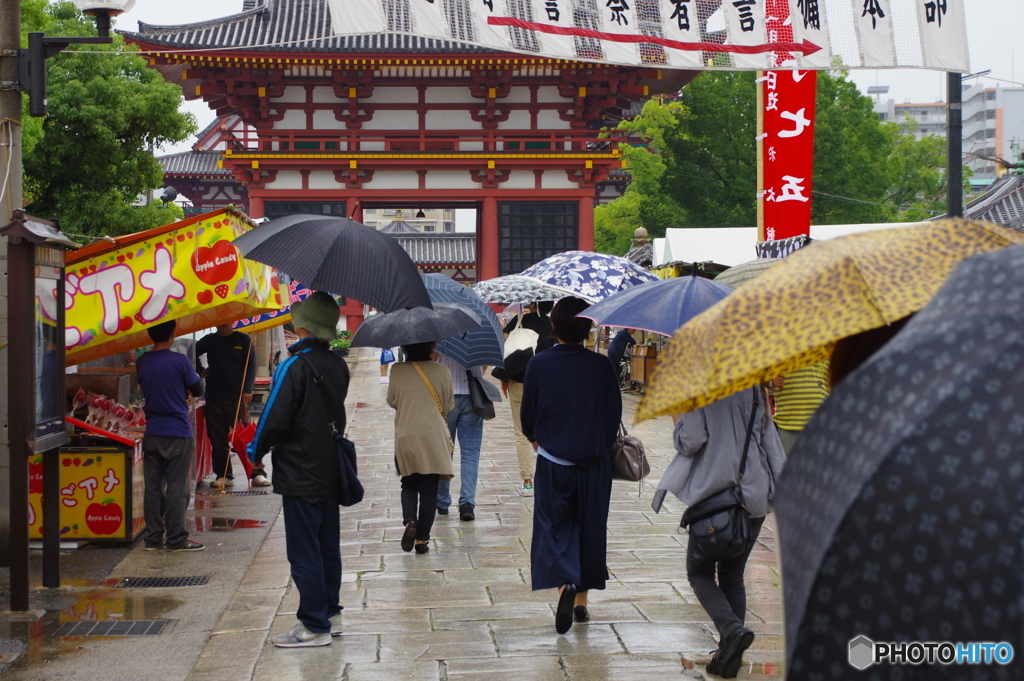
point(806, 47)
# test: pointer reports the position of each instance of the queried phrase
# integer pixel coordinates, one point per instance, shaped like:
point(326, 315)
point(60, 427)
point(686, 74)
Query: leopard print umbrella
point(795, 312)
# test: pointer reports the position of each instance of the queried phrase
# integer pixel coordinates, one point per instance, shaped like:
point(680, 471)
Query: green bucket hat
point(317, 314)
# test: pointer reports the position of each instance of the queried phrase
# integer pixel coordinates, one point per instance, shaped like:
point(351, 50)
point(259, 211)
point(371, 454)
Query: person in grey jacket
point(709, 450)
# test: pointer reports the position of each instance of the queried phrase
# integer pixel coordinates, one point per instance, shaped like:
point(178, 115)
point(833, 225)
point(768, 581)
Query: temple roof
point(1002, 204)
point(430, 248)
point(399, 227)
point(288, 26)
point(193, 163)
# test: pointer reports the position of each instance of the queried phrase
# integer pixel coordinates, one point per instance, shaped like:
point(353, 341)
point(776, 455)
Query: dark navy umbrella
point(659, 306)
point(340, 256)
point(901, 509)
point(482, 346)
point(414, 325)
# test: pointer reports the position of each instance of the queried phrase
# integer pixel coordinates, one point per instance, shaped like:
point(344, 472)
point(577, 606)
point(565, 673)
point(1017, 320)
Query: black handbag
point(719, 525)
point(629, 461)
point(480, 403)
point(350, 490)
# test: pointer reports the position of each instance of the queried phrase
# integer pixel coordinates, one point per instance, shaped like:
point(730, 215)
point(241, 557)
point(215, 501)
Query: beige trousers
point(527, 457)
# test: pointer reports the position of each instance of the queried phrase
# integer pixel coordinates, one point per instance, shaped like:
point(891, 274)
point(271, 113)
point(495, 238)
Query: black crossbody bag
point(719, 525)
point(350, 490)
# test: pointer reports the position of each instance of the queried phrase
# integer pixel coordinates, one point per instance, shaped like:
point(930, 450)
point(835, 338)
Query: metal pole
point(954, 146)
point(10, 165)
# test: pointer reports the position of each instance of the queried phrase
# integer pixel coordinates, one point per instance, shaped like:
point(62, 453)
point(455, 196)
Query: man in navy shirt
point(167, 378)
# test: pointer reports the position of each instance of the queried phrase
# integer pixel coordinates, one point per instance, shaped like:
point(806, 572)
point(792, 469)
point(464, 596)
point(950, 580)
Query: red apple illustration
point(104, 519)
point(215, 264)
point(205, 297)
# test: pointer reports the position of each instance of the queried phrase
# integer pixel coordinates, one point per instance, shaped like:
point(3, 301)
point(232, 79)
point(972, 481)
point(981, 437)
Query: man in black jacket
point(307, 398)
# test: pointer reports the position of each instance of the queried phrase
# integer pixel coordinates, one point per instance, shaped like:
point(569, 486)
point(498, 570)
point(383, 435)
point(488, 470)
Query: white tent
point(733, 245)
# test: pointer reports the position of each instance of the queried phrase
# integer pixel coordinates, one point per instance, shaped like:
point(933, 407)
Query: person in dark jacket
point(296, 423)
point(230, 374)
point(570, 414)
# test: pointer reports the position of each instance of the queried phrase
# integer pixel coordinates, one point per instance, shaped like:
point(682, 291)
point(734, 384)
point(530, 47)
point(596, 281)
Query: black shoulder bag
point(719, 525)
point(350, 490)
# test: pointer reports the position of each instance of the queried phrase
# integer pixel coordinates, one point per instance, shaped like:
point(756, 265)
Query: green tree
point(90, 159)
point(918, 166)
point(643, 204)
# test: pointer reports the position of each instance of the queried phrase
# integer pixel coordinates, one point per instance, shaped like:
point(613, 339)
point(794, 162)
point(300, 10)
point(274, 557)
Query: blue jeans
point(312, 533)
point(469, 427)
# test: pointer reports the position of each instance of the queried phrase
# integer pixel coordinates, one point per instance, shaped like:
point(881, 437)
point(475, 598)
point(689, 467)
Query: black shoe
point(466, 512)
point(422, 548)
point(580, 613)
point(409, 536)
point(727, 661)
point(563, 615)
point(442, 511)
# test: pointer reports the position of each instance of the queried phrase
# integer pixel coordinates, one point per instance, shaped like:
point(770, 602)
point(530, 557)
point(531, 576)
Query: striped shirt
point(801, 394)
point(460, 385)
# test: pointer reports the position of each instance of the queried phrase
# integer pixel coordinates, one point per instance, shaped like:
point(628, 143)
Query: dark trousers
point(419, 502)
point(220, 419)
point(726, 600)
point(570, 525)
point(167, 463)
point(312, 533)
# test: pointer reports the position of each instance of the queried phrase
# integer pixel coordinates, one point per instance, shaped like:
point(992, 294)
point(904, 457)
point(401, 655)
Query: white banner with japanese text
point(687, 34)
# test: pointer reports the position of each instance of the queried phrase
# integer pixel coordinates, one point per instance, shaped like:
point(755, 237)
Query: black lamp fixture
point(32, 60)
point(420, 213)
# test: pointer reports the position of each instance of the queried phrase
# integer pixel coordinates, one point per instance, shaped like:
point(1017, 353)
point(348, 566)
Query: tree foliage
point(700, 158)
point(90, 159)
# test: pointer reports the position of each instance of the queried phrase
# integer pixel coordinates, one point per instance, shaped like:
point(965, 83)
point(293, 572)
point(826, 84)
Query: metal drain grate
point(247, 493)
point(113, 628)
point(161, 582)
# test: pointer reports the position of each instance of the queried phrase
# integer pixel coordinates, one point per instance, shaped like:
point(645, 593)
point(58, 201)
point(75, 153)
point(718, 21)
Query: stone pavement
point(463, 611)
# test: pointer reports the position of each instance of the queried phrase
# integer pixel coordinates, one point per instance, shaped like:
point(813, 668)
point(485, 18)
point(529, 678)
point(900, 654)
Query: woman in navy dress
point(570, 414)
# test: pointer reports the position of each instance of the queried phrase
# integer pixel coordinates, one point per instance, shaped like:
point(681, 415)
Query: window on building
point(276, 209)
point(529, 231)
point(990, 114)
point(990, 94)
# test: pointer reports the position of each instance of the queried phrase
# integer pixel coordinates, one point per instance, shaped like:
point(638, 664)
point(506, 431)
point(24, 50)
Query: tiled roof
point(193, 163)
point(399, 227)
point(439, 249)
point(1002, 204)
point(288, 26)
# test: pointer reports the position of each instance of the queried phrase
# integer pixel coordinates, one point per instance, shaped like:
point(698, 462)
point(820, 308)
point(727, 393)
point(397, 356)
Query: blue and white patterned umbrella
point(587, 275)
point(484, 346)
point(513, 289)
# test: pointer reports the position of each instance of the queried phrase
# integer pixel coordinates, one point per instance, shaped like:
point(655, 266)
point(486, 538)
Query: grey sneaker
point(301, 637)
point(336, 625)
point(187, 546)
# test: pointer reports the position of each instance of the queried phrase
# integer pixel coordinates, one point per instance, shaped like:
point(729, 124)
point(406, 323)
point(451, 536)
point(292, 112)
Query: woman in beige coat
point(423, 446)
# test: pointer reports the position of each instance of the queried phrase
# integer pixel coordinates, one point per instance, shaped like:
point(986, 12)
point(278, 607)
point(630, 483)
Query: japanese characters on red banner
point(788, 152)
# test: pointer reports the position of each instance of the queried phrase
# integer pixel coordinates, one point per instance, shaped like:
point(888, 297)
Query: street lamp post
point(30, 71)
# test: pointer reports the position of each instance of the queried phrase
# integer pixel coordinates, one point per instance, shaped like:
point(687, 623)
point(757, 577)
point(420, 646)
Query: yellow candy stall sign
point(188, 271)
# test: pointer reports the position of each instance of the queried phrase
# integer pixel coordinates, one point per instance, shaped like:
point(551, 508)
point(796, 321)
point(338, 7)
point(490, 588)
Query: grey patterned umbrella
point(901, 509)
point(512, 289)
point(340, 256)
point(740, 274)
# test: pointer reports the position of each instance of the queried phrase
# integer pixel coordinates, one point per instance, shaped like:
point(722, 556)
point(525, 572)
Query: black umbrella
point(414, 325)
point(901, 509)
point(340, 256)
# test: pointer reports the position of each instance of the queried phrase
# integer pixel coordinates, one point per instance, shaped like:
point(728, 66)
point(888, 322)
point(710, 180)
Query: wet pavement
point(463, 611)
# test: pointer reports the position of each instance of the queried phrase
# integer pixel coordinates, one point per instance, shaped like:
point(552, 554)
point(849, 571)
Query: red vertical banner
point(788, 141)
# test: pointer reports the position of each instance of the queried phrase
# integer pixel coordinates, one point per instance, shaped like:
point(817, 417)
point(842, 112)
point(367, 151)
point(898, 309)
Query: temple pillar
point(487, 241)
point(586, 224)
point(256, 210)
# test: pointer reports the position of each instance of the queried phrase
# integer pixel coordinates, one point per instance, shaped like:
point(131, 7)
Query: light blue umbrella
point(587, 275)
point(660, 306)
point(482, 346)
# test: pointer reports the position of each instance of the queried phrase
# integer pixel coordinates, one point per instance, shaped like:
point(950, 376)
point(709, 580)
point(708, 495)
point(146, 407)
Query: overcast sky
point(993, 27)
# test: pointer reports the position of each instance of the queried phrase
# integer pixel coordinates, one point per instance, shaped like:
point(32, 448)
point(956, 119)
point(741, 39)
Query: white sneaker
point(301, 637)
point(385, 379)
point(221, 483)
point(336, 625)
point(260, 480)
point(526, 490)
